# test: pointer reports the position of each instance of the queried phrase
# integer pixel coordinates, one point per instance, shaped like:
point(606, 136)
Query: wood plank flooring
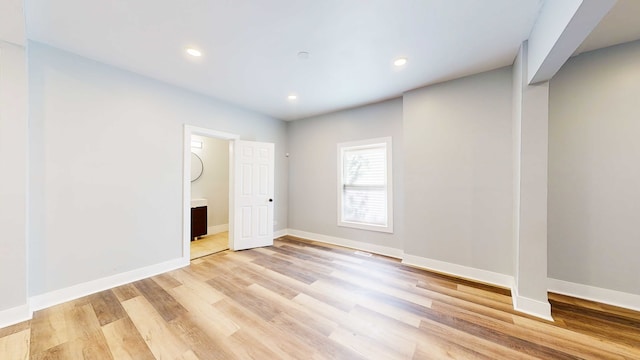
point(304, 300)
point(209, 244)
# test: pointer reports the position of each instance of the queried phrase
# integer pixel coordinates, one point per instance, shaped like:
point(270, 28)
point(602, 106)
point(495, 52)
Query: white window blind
point(364, 185)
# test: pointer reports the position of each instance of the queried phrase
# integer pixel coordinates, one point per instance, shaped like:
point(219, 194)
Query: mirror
point(196, 167)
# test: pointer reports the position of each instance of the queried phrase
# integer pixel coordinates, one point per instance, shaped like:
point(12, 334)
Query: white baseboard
point(216, 229)
point(15, 315)
point(605, 296)
point(77, 291)
point(533, 307)
point(359, 245)
point(470, 273)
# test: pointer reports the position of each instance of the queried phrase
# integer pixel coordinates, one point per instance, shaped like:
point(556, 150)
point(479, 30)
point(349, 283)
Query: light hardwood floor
point(209, 244)
point(303, 300)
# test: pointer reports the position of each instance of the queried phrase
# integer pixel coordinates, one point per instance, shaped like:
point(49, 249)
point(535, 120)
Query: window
point(364, 185)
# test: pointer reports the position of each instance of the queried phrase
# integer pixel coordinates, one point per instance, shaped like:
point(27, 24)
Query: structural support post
point(530, 154)
point(14, 151)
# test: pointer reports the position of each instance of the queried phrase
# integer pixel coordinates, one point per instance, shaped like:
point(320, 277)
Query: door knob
point(270, 200)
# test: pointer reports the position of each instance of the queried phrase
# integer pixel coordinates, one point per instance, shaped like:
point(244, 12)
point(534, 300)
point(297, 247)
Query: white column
point(530, 154)
point(14, 163)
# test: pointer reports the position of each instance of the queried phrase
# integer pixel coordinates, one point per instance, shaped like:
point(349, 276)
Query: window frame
point(352, 145)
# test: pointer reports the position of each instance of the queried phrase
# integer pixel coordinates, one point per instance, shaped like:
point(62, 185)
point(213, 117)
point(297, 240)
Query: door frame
point(186, 181)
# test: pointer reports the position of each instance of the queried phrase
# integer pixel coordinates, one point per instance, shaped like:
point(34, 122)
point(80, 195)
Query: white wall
point(594, 176)
point(213, 185)
point(458, 172)
point(106, 163)
point(13, 181)
point(313, 169)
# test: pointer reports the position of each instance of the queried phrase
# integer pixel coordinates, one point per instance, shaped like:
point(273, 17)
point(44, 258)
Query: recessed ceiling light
point(400, 61)
point(292, 97)
point(194, 52)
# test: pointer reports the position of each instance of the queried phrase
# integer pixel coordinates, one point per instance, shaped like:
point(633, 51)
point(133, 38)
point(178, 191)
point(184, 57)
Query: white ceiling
point(250, 46)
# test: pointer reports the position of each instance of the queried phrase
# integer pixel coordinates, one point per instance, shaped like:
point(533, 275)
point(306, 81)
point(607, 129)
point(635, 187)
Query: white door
point(253, 195)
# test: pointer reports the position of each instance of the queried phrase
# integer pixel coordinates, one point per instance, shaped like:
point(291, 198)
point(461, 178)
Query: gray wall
point(458, 172)
point(106, 166)
point(213, 184)
point(313, 169)
point(13, 178)
point(594, 172)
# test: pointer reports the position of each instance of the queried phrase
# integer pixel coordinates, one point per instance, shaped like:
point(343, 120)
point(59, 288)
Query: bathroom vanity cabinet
point(198, 221)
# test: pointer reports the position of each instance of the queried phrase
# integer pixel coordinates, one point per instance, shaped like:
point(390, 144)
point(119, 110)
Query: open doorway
point(209, 195)
point(208, 206)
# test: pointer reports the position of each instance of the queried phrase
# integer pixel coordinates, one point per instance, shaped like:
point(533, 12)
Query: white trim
point(186, 181)
point(470, 273)
point(358, 245)
point(15, 315)
point(216, 229)
point(77, 291)
point(533, 307)
point(601, 295)
point(387, 141)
